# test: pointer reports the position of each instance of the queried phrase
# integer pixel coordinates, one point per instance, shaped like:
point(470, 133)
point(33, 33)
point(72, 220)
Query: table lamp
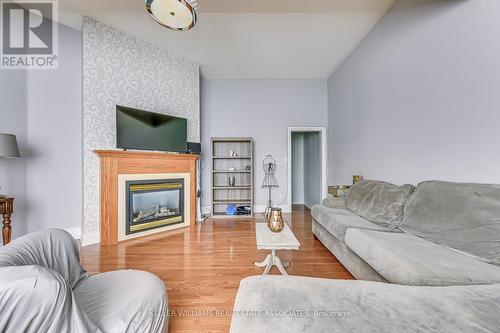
point(8, 148)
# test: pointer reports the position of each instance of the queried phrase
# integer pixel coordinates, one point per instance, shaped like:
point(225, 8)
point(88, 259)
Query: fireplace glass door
point(154, 204)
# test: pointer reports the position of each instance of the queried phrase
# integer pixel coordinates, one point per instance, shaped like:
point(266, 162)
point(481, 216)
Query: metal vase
point(275, 222)
point(231, 181)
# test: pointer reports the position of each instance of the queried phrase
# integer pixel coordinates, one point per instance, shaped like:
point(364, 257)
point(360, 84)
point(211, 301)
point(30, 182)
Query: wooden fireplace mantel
point(116, 162)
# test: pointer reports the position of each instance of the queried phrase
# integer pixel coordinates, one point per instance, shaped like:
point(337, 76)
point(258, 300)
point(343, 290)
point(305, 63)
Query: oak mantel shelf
point(144, 154)
point(118, 162)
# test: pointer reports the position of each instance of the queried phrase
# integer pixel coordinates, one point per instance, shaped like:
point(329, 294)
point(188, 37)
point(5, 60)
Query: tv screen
point(137, 129)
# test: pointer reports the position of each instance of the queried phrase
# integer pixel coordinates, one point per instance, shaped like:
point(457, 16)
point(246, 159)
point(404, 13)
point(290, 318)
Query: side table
point(6, 210)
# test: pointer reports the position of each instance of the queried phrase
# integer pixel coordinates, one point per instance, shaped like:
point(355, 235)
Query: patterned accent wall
point(121, 69)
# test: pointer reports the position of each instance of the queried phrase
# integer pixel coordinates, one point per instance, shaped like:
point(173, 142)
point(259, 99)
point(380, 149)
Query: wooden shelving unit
point(224, 166)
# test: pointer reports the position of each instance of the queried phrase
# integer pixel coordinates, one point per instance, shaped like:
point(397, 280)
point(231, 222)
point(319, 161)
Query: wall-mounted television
point(143, 130)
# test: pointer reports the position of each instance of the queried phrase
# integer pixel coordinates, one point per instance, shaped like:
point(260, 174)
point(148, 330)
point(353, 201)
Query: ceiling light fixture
point(177, 15)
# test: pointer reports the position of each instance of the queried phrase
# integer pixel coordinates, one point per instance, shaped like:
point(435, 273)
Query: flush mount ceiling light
point(177, 15)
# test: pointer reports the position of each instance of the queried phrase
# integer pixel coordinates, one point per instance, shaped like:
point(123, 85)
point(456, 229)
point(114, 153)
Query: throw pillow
point(379, 202)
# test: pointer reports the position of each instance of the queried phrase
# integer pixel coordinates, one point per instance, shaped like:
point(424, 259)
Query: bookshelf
point(239, 166)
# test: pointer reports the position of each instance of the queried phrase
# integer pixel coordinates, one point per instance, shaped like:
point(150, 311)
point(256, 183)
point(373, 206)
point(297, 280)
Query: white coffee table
point(268, 240)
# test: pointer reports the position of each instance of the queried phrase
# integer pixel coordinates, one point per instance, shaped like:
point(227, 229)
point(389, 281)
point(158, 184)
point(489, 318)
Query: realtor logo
point(29, 34)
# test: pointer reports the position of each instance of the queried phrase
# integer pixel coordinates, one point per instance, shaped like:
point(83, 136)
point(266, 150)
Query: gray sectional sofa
point(294, 304)
point(437, 234)
point(431, 254)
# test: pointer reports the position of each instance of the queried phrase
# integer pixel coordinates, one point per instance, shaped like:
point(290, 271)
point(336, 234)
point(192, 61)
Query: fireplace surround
point(138, 167)
point(151, 190)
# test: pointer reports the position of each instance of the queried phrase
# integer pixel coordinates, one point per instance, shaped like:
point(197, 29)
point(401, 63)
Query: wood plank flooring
point(203, 265)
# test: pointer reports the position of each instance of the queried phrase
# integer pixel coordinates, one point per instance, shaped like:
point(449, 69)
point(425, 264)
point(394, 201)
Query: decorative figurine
point(269, 182)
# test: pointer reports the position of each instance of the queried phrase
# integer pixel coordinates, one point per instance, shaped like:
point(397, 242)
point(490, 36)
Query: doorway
point(307, 167)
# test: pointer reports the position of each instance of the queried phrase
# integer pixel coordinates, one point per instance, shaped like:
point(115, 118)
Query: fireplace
point(146, 168)
point(152, 204)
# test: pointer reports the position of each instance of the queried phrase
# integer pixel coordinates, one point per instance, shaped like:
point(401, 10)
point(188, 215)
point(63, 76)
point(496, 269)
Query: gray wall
point(419, 98)
point(54, 172)
point(297, 168)
point(262, 109)
point(306, 168)
point(312, 169)
point(13, 108)
point(43, 108)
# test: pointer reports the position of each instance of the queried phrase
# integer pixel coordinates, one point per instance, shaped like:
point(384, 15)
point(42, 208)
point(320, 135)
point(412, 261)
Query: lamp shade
point(8, 146)
point(174, 14)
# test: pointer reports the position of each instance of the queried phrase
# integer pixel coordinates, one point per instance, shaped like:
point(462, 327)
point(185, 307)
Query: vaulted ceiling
point(251, 39)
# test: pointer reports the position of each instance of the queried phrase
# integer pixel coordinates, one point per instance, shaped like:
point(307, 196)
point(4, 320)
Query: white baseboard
point(90, 238)
point(76, 232)
point(256, 209)
point(262, 208)
point(206, 210)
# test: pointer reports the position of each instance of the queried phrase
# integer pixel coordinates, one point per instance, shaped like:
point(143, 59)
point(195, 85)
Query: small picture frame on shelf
point(339, 190)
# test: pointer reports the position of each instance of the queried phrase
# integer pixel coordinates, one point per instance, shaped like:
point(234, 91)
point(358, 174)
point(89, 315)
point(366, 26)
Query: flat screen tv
point(143, 130)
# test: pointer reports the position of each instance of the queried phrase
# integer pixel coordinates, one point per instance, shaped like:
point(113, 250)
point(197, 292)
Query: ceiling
point(251, 39)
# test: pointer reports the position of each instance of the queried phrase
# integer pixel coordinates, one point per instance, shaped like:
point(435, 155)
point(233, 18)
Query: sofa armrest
point(334, 202)
point(54, 249)
point(37, 299)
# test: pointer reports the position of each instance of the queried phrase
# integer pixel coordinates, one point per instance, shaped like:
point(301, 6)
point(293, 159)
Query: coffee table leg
point(279, 264)
point(272, 259)
point(263, 263)
point(268, 268)
point(268, 263)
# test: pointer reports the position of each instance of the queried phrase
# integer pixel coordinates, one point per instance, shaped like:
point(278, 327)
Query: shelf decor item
point(269, 182)
point(231, 210)
point(356, 177)
point(232, 181)
point(275, 221)
point(339, 190)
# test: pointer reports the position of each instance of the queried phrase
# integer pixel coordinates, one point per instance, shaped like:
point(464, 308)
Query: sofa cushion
point(407, 259)
point(462, 216)
point(293, 304)
point(337, 221)
point(124, 301)
point(379, 202)
point(334, 202)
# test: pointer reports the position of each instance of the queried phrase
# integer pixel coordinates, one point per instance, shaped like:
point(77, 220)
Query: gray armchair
point(43, 288)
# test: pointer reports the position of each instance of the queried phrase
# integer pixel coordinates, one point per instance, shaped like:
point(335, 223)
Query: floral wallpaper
point(121, 69)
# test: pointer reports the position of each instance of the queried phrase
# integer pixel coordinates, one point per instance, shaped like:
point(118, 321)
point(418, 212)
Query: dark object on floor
point(231, 210)
point(243, 210)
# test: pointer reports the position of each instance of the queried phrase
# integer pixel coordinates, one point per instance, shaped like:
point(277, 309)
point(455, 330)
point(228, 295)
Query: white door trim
point(324, 159)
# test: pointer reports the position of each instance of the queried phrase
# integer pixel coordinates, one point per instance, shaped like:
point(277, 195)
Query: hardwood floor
point(203, 265)
point(300, 208)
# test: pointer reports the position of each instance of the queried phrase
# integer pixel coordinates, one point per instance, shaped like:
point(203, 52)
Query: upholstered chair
point(43, 288)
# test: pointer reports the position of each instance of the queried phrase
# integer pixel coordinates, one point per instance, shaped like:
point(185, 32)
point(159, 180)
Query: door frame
point(324, 159)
